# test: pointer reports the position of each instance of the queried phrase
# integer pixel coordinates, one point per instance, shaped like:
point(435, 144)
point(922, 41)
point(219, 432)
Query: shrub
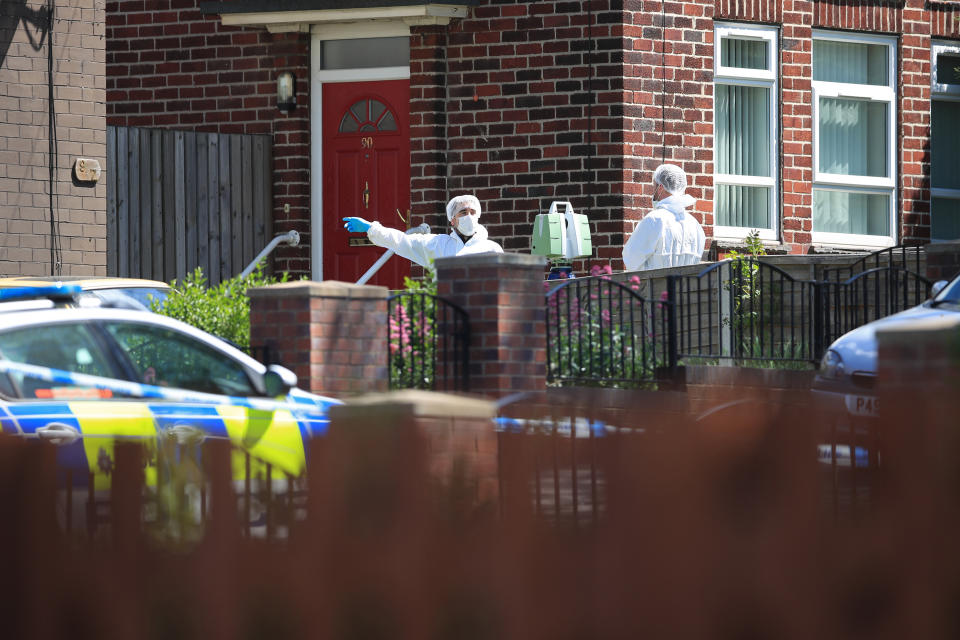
point(223, 310)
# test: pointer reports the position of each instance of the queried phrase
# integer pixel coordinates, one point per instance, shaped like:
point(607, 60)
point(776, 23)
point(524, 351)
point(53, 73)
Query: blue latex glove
point(356, 224)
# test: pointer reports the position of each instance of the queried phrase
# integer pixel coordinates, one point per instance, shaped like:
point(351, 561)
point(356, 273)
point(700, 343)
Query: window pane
point(359, 110)
point(948, 68)
point(743, 130)
point(65, 347)
point(364, 53)
point(945, 219)
point(853, 137)
point(388, 123)
point(739, 206)
point(851, 62)
point(845, 212)
point(743, 54)
point(348, 124)
point(945, 150)
point(167, 358)
point(376, 108)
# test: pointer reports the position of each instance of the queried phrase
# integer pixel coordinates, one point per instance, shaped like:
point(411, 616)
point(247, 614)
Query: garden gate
point(429, 339)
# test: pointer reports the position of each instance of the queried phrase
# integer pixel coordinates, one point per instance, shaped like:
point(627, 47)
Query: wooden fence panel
point(178, 200)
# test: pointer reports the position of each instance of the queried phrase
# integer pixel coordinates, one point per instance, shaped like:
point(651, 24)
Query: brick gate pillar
point(333, 335)
point(503, 296)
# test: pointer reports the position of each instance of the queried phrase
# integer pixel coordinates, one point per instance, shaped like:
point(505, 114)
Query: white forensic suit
point(668, 236)
point(422, 248)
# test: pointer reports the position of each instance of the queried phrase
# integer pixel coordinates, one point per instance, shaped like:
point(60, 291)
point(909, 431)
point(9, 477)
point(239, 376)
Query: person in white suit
point(668, 236)
point(468, 236)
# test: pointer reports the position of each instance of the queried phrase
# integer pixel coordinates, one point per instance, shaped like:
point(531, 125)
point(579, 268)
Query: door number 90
point(366, 143)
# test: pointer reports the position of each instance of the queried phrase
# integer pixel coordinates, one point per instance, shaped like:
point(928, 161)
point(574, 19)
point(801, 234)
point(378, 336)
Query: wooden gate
point(177, 200)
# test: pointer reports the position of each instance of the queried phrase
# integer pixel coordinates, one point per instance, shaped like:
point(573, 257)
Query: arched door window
point(367, 115)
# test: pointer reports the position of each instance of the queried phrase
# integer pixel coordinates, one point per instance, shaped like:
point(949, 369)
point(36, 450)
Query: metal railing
point(598, 329)
point(744, 310)
point(428, 343)
point(910, 258)
point(868, 296)
point(739, 311)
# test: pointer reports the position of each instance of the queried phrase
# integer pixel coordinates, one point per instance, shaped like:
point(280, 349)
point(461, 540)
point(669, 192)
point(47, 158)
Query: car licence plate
point(862, 405)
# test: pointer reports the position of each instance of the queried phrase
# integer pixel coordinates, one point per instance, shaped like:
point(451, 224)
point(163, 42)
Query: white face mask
point(467, 225)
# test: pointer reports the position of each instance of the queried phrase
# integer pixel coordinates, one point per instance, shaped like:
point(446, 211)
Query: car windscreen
point(950, 293)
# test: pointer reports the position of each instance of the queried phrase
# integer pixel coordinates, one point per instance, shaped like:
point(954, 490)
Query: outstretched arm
point(418, 247)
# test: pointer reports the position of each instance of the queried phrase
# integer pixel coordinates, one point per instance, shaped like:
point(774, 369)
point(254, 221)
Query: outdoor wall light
point(286, 91)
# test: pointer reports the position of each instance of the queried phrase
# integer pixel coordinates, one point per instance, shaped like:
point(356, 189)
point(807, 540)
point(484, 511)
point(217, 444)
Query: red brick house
point(825, 125)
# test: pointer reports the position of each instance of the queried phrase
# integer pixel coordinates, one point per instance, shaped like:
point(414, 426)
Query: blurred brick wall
point(943, 260)
point(79, 108)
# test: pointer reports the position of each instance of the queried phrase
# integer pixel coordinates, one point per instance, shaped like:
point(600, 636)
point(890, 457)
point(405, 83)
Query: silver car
point(846, 379)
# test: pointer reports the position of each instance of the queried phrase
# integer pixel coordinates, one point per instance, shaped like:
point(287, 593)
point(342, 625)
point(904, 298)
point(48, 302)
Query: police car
point(84, 376)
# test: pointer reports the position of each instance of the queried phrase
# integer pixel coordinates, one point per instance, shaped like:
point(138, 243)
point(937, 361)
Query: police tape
point(139, 390)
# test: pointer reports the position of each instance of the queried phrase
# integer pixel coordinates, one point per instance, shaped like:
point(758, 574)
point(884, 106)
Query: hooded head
point(467, 224)
point(670, 177)
point(462, 202)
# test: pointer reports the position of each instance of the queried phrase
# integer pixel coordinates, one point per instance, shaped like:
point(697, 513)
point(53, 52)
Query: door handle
point(58, 433)
point(366, 195)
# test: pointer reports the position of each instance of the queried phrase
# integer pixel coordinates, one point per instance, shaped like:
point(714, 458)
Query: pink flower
point(663, 297)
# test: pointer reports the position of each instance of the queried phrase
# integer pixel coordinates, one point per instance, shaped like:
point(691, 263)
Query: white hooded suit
point(668, 236)
point(422, 248)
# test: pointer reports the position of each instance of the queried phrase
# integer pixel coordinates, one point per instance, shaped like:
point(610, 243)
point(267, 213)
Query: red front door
point(366, 173)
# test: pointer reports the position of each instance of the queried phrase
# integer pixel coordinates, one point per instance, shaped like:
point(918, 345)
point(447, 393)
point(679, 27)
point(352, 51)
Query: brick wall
point(943, 260)
point(170, 66)
point(668, 64)
point(29, 198)
point(914, 94)
point(796, 96)
point(525, 103)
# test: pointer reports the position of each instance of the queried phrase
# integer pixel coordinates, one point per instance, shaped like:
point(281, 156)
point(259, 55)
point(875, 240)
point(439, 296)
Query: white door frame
point(319, 77)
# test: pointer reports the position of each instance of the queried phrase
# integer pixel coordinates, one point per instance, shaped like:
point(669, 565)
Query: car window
point(142, 296)
point(67, 347)
point(165, 357)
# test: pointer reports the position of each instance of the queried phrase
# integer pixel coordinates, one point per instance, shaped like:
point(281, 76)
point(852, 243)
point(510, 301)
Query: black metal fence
point(598, 329)
point(744, 310)
point(740, 311)
point(428, 338)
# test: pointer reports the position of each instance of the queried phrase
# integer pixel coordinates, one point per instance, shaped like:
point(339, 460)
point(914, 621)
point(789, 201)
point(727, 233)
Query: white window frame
point(863, 184)
point(939, 89)
point(944, 92)
point(766, 78)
